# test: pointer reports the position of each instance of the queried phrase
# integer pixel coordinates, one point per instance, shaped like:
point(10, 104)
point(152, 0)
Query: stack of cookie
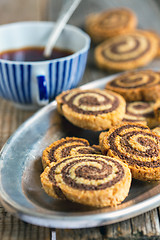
point(141, 90)
point(77, 172)
point(123, 46)
point(101, 175)
point(66, 147)
point(73, 170)
point(137, 146)
point(134, 143)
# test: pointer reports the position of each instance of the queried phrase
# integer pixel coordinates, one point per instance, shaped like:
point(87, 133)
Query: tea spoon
point(63, 18)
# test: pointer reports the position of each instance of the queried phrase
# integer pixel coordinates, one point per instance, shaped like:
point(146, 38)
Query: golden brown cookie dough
point(94, 180)
point(156, 130)
point(135, 145)
point(110, 23)
point(142, 85)
point(67, 147)
point(97, 149)
point(156, 34)
point(127, 51)
point(93, 109)
point(157, 109)
point(158, 53)
point(142, 112)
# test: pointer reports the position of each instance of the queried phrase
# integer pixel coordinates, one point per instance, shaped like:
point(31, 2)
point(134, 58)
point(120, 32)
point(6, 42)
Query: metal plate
point(20, 168)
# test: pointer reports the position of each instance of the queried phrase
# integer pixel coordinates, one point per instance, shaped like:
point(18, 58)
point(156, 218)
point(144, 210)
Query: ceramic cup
point(30, 85)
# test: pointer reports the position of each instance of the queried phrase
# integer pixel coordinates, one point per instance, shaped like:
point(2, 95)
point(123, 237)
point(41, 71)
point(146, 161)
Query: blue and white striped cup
point(30, 85)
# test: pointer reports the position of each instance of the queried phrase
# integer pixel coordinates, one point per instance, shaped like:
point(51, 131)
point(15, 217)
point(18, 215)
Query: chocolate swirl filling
point(140, 106)
point(88, 171)
point(113, 20)
point(92, 101)
point(65, 151)
point(146, 139)
point(136, 81)
point(113, 48)
point(85, 150)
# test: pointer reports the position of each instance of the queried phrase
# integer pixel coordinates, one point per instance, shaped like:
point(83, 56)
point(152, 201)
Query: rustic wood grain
point(145, 226)
point(12, 228)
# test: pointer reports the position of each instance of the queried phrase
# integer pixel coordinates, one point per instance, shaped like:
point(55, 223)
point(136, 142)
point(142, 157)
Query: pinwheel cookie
point(110, 23)
point(94, 180)
point(127, 51)
point(91, 109)
point(142, 112)
point(135, 145)
point(143, 85)
point(67, 147)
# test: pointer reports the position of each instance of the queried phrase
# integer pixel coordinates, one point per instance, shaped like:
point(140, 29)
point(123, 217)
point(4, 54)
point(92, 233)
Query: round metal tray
point(20, 168)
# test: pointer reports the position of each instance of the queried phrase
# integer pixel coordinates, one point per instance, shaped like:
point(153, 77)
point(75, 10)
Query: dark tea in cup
point(33, 54)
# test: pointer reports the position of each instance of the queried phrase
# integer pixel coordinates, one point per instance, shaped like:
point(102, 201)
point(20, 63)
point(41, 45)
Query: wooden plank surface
point(145, 226)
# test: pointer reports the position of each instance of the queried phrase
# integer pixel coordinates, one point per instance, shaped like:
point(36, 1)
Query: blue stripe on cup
point(56, 77)
point(29, 70)
point(64, 74)
point(74, 74)
point(50, 80)
point(23, 83)
point(65, 85)
point(2, 83)
point(60, 77)
point(9, 83)
point(17, 89)
point(69, 74)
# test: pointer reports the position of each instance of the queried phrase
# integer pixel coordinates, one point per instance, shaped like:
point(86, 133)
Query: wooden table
point(145, 226)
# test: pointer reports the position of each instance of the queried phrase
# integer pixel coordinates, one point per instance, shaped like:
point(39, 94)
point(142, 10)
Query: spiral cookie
point(127, 51)
point(110, 23)
point(91, 109)
point(141, 85)
point(67, 147)
point(89, 179)
point(141, 112)
point(135, 145)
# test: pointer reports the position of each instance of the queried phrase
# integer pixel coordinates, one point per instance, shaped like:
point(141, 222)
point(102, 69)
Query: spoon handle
point(65, 14)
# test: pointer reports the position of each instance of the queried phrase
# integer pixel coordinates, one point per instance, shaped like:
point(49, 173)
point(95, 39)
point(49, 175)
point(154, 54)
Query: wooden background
point(145, 226)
